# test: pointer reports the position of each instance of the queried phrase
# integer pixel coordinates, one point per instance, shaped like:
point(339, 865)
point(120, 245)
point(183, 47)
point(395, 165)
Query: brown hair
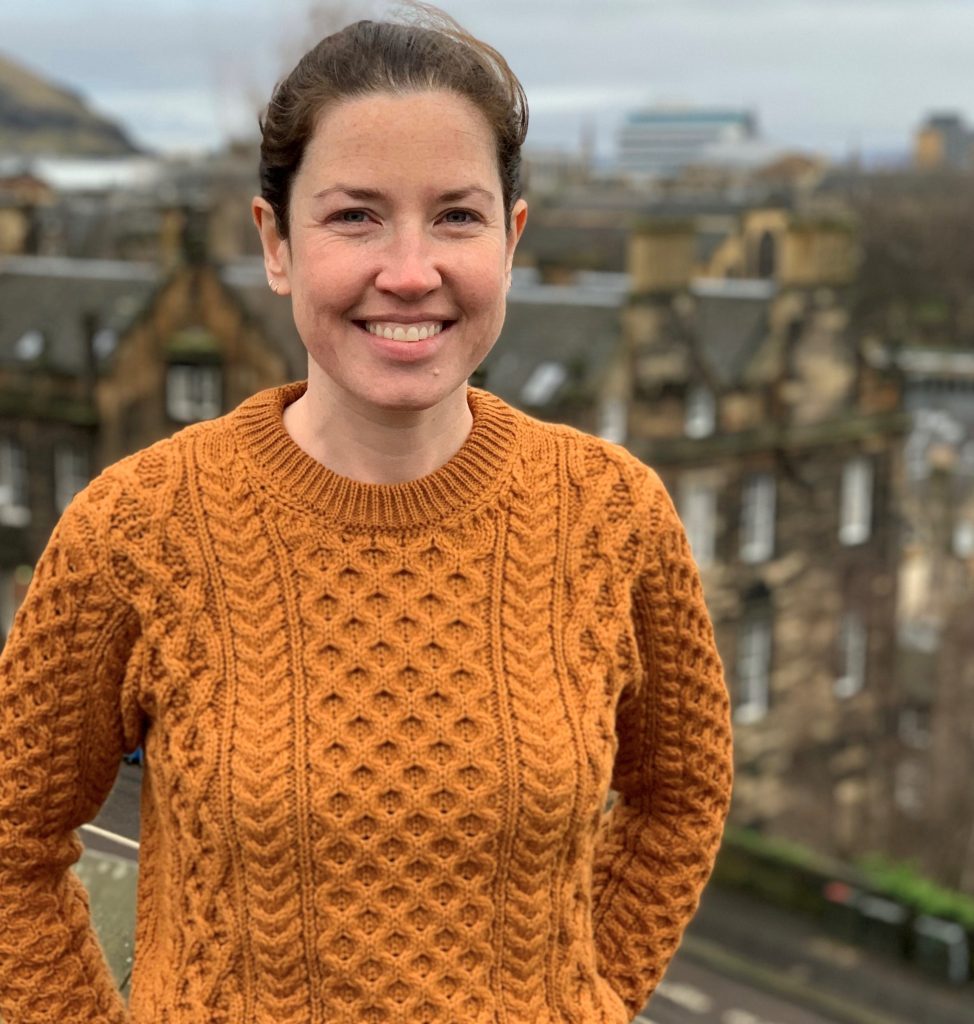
point(382, 56)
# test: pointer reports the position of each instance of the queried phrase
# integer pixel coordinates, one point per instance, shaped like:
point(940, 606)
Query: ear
point(519, 217)
point(277, 254)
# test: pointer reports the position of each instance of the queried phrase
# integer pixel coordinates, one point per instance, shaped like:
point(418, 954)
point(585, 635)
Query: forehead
point(434, 136)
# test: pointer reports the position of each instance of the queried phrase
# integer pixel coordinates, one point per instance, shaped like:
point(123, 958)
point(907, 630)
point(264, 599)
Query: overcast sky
point(825, 75)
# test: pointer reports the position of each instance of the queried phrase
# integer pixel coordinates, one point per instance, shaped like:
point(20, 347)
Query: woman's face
point(399, 257)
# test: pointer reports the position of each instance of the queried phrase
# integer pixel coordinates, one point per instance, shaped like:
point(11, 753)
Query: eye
point(351, 216)
point(460, 217)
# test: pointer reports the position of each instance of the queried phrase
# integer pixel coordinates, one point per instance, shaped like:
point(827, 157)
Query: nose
point(410, 266)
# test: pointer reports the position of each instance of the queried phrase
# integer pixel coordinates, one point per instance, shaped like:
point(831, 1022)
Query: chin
point(414, 397)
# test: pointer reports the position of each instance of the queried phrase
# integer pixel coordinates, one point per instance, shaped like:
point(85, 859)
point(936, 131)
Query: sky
point(828, 76)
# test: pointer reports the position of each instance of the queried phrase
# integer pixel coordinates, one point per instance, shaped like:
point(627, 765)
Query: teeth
point(401, 332)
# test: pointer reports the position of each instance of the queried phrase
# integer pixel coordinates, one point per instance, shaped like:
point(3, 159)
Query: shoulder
point(606, 471)
point(144, 484)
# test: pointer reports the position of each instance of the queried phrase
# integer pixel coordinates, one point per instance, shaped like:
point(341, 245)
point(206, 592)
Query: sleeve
point(672, 773)
point(61, 740)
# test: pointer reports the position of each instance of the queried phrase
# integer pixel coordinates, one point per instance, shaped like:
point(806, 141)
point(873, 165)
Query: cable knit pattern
point(380, 722)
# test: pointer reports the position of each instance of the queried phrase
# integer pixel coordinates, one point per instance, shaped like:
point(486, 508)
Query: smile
point(405, 332)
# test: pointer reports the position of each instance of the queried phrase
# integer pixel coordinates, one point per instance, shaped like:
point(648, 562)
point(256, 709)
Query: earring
point(272, 283)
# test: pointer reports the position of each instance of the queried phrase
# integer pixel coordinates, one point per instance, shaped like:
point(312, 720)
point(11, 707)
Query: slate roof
point(730, 325)
point(58, 296)
point(247, 281)
point(599, 248)
point(575, 327)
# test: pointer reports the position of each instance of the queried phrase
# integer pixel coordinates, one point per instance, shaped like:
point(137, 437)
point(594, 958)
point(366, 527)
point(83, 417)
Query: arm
point(672, 772)
point(61, 739)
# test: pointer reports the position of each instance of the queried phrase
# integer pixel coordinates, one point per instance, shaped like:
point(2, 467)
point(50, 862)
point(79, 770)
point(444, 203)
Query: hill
point(39, 118)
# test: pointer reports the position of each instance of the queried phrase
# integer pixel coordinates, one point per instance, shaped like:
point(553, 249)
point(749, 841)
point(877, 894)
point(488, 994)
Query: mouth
point(397, 331)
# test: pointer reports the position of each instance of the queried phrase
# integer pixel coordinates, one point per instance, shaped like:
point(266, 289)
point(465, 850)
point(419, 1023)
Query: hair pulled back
point(380, 56)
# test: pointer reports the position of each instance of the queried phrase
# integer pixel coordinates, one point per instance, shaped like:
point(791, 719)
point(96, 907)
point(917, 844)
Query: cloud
point(823, 73)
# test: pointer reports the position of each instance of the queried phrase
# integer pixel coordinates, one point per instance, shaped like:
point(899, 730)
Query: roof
point(554, 348)
point(247, 281)
point(729, 329)
point(59, 300)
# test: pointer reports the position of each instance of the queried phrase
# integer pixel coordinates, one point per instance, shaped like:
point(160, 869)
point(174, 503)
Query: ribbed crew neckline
point(464, 482)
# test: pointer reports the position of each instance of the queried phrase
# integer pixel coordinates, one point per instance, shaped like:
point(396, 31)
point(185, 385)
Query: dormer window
point(29, 345)
point(701, 412)
point(193, 392)
point(104, 343)
point(544, 382)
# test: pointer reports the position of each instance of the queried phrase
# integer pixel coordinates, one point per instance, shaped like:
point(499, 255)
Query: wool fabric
point(381, 723)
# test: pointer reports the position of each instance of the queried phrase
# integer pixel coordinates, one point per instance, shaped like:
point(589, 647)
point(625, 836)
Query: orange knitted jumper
point(380, 725)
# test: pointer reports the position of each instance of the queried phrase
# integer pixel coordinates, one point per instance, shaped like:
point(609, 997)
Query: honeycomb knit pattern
point(380, 724)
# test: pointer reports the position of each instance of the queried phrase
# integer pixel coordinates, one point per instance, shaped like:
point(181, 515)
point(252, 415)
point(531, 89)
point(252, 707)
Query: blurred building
point(944, 143)
point(99, 358)
point(128, 209)
point(662, 141)
point(560, 353)
point(934, 675)
point(750, 396)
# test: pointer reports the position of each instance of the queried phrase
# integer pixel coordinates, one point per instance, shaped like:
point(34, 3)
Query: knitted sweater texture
point(380, 724)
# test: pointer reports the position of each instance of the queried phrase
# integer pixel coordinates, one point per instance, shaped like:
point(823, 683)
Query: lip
point(404, 351)
point(402, 318)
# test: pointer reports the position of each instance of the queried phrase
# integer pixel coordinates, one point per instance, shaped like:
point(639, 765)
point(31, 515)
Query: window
point(104, 343)
point(29, 345)
point(193, 393)
point(766, 255)
point(963, 538)
point(8, 603)
point(914, 727)
point(698, 511)
point(14, 504)
point(852, 655)
point(910, 788)
point(701, 412)
point(856, 509)
point(753, 666)
point(70, 473)
point(757, 517)
point(613, 415)
point(544, 382)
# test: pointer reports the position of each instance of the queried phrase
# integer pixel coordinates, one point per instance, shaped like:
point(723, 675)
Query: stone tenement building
point(782, 448)
point(99, 358)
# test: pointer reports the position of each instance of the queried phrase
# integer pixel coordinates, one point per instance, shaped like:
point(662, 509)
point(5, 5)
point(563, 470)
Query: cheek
point(484, 280)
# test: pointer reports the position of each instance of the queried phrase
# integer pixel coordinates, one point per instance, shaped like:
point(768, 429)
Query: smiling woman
point(387, 642)
point(396, 255)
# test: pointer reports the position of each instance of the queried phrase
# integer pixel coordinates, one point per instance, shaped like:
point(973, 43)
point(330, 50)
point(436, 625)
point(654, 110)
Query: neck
point(373, 445)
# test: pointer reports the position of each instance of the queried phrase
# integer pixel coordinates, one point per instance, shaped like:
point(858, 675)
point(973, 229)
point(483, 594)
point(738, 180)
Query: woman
point(388, 642)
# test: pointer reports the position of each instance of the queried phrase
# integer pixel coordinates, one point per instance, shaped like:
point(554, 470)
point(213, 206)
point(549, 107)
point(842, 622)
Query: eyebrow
point(454, 195)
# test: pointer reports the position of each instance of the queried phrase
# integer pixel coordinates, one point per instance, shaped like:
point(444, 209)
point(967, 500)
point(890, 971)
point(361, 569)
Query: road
point(694, 994)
